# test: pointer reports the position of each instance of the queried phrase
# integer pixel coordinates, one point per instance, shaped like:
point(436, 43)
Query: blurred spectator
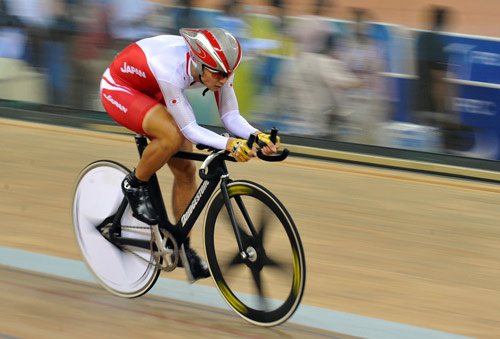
point(270, 27)
point(269, 46)
point(161, 19)
point(231, 20)
point(130, 21)
point(185, 17)
point(309, 31)
point(12, 35)
point(36, 16)
point(58, 52)
point(432, 92)
point(365, 106)
point(431, 89)
point(309, 38)
point(50, 28)
point(92, 52)
point(310, 86)
point(278, 10)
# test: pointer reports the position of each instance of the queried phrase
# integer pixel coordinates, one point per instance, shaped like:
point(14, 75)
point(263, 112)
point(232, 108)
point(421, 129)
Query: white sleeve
point(229, 112)
point(237, 125)
point(199, 135)
point(180, 109)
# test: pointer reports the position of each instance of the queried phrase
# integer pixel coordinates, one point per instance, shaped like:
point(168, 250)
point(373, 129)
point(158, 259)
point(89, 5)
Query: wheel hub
point(251, 254)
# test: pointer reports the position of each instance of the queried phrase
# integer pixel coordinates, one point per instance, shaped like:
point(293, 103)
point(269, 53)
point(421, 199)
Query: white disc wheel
point(126, 271)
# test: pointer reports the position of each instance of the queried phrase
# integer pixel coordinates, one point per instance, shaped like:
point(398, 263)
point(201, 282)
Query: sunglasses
point(219, 73)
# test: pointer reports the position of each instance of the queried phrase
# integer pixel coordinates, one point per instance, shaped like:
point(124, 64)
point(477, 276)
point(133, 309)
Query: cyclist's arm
point(234, 122)
point(180, 108)
point(229, 112)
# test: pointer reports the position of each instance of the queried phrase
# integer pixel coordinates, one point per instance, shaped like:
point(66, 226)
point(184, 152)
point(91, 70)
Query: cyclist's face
point(214, 80)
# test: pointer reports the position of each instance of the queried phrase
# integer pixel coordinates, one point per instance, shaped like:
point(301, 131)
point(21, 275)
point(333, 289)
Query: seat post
point(141, 142)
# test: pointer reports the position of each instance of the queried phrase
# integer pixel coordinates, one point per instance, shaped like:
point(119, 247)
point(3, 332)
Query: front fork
point(232, 217)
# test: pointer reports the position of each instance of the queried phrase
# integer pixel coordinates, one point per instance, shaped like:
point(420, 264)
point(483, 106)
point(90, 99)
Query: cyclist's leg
point(184, 186)
point(183, 191)
point(142, 114)
point(166, 140)
point(166, 137)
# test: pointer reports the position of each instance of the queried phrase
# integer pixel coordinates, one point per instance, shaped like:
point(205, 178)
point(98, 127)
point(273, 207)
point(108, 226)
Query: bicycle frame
point(127, 256)
point(217, 172)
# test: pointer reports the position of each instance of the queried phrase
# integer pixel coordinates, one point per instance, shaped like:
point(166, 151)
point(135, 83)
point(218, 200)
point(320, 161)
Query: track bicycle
point(251, 244)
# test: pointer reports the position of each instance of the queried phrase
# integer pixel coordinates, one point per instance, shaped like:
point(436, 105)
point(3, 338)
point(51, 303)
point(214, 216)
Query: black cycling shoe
point(140, 201)
point(198, 266)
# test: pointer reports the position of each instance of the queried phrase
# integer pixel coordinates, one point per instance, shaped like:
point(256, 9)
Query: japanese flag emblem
point(174, 101)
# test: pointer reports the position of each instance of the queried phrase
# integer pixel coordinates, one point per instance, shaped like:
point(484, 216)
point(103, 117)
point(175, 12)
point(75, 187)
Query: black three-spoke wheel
point(265, 283)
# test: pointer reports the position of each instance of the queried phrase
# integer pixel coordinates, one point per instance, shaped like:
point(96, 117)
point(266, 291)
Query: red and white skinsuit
point(156, 70)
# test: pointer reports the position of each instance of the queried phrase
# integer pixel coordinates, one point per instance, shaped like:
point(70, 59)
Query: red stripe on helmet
point(202, 55)
point(218, 49)
point(239, 55)
point(205, 57)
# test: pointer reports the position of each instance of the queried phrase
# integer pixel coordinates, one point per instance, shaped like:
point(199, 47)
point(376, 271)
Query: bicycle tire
point(97, 195)
point(272, 225)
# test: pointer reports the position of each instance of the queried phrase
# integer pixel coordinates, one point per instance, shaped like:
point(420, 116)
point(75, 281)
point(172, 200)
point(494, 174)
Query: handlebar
point(208, 160)
point(251, 140)
point(278, 157)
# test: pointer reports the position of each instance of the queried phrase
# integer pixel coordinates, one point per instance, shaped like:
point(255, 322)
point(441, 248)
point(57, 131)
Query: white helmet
point(214, 48)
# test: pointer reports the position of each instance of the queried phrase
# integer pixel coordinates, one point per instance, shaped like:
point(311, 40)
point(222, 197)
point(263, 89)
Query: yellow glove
point(264, 139)
point(240, 150)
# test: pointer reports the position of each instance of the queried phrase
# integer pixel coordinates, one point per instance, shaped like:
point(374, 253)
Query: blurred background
point(401, 247)
point(422, 75)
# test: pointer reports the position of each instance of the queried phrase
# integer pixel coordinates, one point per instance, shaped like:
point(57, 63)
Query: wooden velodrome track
point(409, 248)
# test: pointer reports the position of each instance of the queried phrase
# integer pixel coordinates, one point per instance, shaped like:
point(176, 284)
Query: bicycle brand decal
point(195, 201)
point(132, 70)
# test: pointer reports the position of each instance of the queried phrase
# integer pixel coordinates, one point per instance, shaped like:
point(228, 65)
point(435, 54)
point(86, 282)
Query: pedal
point(185, 265)
point(105, 227)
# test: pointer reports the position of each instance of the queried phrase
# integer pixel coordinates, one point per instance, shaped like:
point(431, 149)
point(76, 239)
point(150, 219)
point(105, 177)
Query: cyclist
point(144, 90)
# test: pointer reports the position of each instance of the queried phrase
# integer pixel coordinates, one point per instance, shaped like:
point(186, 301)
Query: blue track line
point(324, 319)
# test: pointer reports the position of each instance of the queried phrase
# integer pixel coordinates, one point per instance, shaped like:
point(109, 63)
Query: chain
point(140, 227)
point(125, 249)
point(156, 259)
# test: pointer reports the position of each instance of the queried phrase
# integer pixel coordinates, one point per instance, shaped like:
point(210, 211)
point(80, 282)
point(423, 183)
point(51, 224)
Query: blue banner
point(474, 59)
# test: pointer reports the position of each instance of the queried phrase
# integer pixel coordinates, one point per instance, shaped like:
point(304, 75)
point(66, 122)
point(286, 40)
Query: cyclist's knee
point(170, 142)
point(184, 170)
point(160, 125)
